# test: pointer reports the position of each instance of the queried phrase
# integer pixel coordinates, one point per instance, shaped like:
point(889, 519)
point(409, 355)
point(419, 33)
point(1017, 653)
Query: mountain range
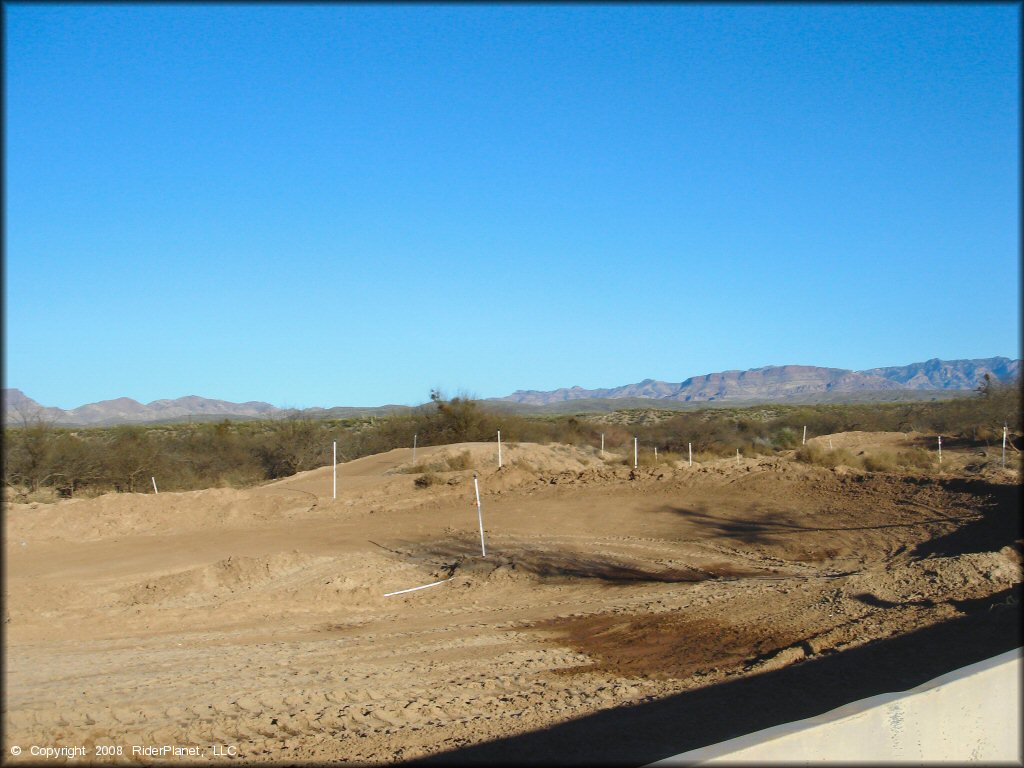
point(774, 383)
point(789, 382)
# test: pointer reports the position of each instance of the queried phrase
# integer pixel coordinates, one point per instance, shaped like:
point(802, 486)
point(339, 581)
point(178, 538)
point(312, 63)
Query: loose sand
point(619, 616)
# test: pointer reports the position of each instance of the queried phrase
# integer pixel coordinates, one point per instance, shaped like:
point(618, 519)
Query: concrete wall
point(968, 715)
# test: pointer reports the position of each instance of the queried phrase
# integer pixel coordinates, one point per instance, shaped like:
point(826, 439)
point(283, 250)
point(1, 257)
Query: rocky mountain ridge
point(770, 383)
point(787, 381)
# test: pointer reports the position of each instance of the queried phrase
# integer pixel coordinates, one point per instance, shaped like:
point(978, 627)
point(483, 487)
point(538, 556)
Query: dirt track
point(257, 619)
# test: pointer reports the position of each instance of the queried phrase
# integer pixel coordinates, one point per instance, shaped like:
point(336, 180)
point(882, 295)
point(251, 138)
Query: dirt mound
point(940, 579)
point(258, 619)
point(210, 582)
point(123, 514)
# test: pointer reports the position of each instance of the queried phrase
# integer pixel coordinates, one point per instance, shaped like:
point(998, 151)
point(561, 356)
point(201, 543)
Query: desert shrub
point(29, 454)
point(915, 458)
point(645, 458)
point(451, 463)
point(133, 455)
point(812, 453)
point(292, 445)
point(881, 461)
point(418, 469)
point(426, 480)
point(891, 461)
point(785, 438)
point(459, 420)
point(460, 461)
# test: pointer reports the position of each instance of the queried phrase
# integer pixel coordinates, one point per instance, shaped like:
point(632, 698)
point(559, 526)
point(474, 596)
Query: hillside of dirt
point(619, 615)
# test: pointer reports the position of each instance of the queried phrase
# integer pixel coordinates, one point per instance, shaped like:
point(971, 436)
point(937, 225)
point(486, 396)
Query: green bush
point(785, 438)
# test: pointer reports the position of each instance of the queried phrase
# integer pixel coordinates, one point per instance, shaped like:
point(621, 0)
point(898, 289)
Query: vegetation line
point(42, 462)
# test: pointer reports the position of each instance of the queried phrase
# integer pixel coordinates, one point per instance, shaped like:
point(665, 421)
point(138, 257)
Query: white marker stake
point(414, 447)
point(334, 490)
point(805, 436)
point(830, 443)
point(940, 449)
point(413, 589)
point(737, 457)
point(635, 453)
point(602, 444)
point(690, 447)
point(1004, 464)
point(499, 449)
point(655, 454)
point(1004, 446)
point(480, 515)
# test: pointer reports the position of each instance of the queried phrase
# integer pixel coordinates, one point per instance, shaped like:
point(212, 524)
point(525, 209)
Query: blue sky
point(350, 205)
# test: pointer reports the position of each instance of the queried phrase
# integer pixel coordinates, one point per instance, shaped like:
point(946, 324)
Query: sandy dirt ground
point(619, 616)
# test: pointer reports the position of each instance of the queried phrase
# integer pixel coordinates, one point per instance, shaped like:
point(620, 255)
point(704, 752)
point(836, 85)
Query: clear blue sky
point(348, 205)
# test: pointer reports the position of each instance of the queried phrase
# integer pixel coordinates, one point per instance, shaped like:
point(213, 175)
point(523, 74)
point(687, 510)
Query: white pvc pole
point(940, 449)
point(156, 491)
point(480, 516)
point(737, 457)
point(1004, 446)
point(830, 443)
point(414, 448)
point(334, 490)
point(602, 445)
point(690, 447)
point(805, 436)
point(655, 454)
point(499, 449)
point(635, 453)
point(413, 589)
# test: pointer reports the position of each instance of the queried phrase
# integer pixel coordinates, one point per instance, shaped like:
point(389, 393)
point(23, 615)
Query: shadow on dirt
point(763, 528)
point(459, 558)
point(877, 602)
point(643, 733)
point(999, 525)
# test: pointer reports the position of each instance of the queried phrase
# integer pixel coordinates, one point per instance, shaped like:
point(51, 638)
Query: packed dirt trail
point(254, 624)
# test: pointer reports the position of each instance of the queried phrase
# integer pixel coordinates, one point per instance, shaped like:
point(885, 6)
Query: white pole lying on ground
point(480, 515)
point(940, 449)
point(156, 491)
point(690, 448)
point(805, 435)
point(334, 490)
point(499, 449)
point(413, 589)
point(635, 452)
point(1004, 446)
point(414, 447)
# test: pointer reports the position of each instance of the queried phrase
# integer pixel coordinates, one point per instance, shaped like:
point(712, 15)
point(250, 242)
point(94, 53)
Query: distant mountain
point(773, 383)
point(949, 374)
point(792, 382)
point(648, 388)
point(777, 381)
point(123, 410)
point(18, 408)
